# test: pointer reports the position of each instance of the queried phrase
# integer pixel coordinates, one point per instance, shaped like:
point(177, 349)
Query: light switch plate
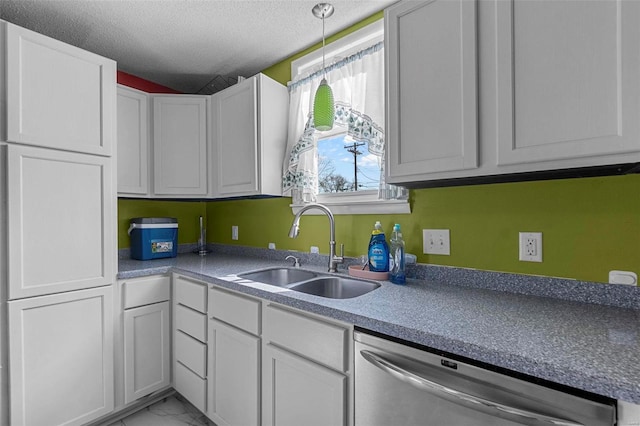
point(436, 241)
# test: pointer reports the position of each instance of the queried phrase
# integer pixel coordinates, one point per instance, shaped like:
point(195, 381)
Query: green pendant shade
point(323, 108)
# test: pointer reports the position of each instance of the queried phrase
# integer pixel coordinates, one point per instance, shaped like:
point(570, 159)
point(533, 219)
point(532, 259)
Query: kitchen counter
point(592, 347)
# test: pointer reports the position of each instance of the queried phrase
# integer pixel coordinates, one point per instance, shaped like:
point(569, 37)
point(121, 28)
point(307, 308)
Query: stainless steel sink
point(329, 286)
point(280, 277)
point(335, 287)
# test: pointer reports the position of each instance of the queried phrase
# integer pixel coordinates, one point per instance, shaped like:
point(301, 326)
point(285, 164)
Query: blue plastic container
point(153, 237)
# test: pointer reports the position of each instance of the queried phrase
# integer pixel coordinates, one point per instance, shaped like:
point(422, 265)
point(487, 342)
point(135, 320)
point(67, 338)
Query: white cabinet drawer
point(318, 340)
point(191, 293)
point(236, 310)
point(191, 322)
point(146, 291)
point(192, 353)
point(190, 386)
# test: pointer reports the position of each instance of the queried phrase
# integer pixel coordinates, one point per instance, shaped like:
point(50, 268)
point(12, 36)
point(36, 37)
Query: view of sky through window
point(336, 171)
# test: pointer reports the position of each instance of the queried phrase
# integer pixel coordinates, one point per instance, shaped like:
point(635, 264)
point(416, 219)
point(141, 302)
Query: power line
point(353, 149)
point(365, 175)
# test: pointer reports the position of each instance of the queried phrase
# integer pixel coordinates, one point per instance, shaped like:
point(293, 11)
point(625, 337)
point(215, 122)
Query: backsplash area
point(589, 225)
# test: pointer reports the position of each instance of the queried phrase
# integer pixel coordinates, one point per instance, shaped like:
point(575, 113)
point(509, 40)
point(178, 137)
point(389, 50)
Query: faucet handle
point(340, 259)
point(296, 261)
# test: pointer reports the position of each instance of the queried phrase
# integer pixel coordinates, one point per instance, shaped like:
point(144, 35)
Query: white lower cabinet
point(61, 358)
point(234, 382)
point(306, 369)
point(266, 364)
point(190, 340)
point(299, 391)
point(190, 385)
point(234, 359)
point(145, 367)
point(146, 350)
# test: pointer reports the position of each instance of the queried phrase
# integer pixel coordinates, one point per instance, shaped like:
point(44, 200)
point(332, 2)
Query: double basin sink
point(329, 286)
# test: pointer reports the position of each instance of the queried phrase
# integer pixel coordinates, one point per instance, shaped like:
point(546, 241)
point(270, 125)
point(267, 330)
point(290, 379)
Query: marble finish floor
point(173, 411)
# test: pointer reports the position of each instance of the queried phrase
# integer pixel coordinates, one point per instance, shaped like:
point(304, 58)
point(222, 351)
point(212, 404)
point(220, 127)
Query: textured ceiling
point(184, 44)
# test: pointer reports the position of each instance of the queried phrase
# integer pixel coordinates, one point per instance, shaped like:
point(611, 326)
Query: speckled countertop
point(593, 347)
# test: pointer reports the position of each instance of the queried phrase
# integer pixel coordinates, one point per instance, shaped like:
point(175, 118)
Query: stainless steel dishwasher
point(398, 385)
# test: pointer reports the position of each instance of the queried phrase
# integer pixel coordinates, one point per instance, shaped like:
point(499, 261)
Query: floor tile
point(173, 411)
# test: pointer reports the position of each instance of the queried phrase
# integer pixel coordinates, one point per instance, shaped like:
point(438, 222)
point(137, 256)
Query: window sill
point(365, 203)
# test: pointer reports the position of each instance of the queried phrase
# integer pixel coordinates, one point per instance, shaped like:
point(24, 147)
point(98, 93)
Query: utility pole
point(353, 149)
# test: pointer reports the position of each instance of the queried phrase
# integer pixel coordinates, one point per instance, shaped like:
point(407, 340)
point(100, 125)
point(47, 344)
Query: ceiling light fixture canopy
point(323, 107)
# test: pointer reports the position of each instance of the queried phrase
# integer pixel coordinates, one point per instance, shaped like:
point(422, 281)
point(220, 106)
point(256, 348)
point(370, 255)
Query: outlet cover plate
point(436, 241)
point(234, 232)
point(530, 247)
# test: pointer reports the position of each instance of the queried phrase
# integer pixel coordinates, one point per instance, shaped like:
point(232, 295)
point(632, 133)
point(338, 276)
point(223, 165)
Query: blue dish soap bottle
point(378, 250)
point(396, 257)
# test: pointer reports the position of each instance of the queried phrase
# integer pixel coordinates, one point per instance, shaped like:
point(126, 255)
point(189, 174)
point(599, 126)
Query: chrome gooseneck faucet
point(295, 228)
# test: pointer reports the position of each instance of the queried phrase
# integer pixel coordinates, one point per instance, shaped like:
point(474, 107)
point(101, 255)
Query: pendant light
point(323, 108)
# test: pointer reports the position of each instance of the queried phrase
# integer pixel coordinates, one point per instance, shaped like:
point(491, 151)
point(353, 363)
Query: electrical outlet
point(436, 241)
point(234, 232)
point(530, 247)
point(623, 277)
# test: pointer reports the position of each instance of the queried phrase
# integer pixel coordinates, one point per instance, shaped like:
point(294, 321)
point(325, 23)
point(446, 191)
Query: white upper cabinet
point(432, 96)
point(180, 145)
point(60, 210)
point(249, 138)
point(57, 95)
point(557, 87)
point(133, 142)
point(567, 80)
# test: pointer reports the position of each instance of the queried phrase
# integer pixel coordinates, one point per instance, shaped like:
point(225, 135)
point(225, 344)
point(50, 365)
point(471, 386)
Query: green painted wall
point(590, 225)
point(187, 213)
point(282, 70)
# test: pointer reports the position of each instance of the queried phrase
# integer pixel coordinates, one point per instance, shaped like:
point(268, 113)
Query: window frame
point(354, 202)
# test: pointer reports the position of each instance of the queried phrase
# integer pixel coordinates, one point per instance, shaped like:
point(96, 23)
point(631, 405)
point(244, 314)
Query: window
point(344, 167)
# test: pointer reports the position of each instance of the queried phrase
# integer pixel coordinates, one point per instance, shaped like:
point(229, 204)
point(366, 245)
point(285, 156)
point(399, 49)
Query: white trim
point(360, 202)
point(339, 49)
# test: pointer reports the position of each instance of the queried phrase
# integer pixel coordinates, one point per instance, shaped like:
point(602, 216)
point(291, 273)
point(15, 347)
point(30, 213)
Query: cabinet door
point(146, 350)
point(235, 140)
point(567, 85)
point(61, 358)
point(430, 49)
point(133, 142)
point(180, 145)
point(58, 96)
point(60, 211)
point(297, 391)
point(234, 376)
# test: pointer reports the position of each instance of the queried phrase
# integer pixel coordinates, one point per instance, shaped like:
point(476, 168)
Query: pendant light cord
point(324, 70)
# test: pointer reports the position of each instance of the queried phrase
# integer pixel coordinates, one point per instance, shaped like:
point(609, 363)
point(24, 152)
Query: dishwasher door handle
point(455, 395)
